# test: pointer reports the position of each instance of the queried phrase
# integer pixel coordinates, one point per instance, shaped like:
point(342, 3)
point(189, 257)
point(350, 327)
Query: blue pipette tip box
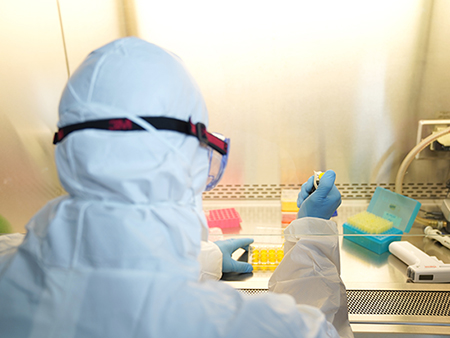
point(398, 209)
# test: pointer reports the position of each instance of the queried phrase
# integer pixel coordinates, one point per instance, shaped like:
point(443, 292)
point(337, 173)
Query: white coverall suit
point(118, 256)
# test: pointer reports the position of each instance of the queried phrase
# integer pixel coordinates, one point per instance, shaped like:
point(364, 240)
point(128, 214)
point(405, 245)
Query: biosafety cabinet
point(382, 298)
point(298, 86)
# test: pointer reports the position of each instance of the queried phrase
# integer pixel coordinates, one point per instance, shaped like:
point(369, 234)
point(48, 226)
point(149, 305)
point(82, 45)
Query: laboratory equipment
point(317, 176)
point(370, 223)
point(289, 208)
point(422, 268)
point(414, 153)
point(437, 236)
point(226, 219)
point(265, 256)
point(389, 206)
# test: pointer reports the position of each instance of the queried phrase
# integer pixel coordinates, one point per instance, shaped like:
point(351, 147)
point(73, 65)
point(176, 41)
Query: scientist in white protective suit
point(119, 256)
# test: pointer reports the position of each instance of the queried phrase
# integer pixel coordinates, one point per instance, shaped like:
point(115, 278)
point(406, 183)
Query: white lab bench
point(382, 302)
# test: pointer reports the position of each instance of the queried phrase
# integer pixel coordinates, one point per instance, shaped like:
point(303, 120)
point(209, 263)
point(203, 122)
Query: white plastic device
point(422, 268)
point(435, 234)
point(317, 176)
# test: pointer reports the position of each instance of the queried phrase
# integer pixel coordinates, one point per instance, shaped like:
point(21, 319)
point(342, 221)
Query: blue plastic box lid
point(398, 209)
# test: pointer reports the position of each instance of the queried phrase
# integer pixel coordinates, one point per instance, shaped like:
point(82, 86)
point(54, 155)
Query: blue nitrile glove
point(323, 202)
point(228, 247)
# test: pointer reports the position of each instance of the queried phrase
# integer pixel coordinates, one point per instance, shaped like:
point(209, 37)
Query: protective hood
point(131, 78)
point(135, 196)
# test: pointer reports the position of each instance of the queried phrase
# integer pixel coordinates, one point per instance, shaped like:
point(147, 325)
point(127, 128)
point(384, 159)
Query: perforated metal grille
point(253, 292)
point(348, 190)
point(405, 303)
point(391, 302)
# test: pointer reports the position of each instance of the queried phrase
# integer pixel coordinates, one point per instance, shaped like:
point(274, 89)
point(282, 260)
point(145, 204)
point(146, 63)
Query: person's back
point(118, 256)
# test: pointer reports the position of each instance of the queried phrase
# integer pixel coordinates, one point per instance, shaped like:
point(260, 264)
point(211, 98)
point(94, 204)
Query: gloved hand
point(323, 202)
point(228, 247)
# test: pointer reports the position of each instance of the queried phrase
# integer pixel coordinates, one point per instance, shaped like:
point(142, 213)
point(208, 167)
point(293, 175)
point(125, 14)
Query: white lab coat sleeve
point(210, 261)
point(310, 270)
point(8, 246)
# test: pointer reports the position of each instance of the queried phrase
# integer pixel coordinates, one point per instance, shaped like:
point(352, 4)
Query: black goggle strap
point(158, 122)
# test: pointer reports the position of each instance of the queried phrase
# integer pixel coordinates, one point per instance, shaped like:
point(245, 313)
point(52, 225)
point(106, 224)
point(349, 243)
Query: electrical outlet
point(434, 150)
point(445, 207)
point(443, 142)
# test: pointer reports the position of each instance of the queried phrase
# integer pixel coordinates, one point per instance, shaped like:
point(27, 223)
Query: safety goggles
point(217, 163)
point(217, 144)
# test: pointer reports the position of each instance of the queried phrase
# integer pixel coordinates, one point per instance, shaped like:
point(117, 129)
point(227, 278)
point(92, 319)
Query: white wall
point(88, 25)
point(33, 72)
point(435, 85)
point(32, 75)
point(302, 85)
point(434, 90)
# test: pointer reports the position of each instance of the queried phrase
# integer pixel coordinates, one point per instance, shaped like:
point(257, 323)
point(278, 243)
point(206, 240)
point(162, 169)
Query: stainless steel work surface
point(380, 297)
